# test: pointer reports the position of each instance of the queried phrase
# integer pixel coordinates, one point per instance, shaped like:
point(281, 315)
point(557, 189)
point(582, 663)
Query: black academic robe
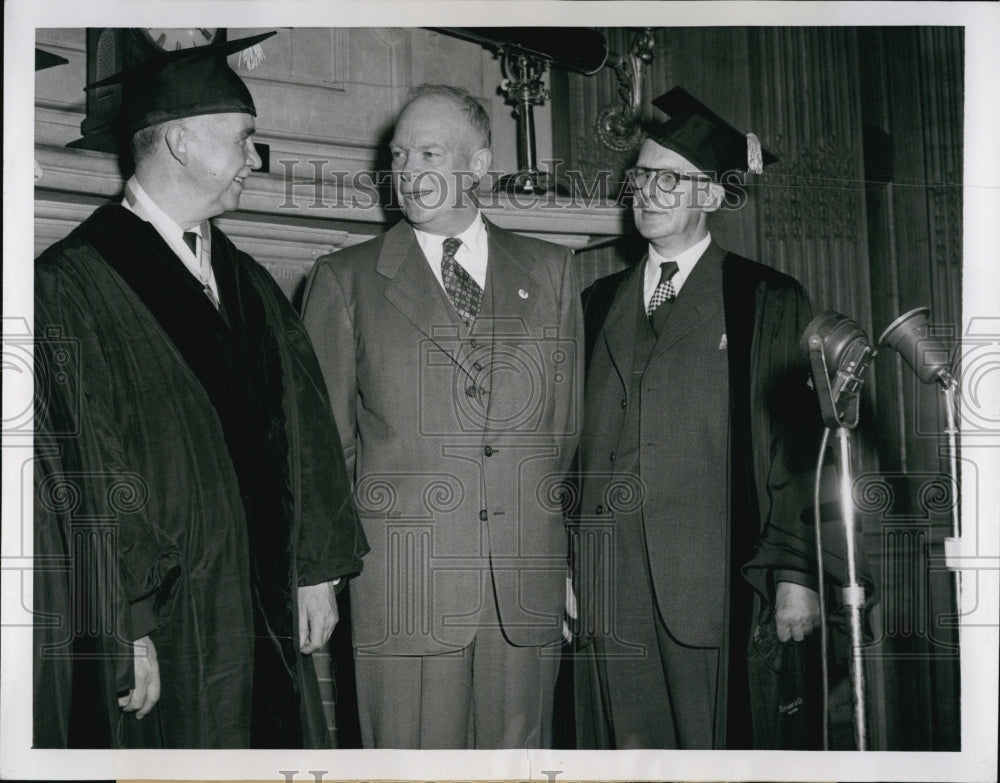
point(773, 435)
point(237, 494)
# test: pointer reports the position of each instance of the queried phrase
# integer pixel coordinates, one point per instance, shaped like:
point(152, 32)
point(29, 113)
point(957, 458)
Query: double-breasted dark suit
point(457, 439)
point(695, 465)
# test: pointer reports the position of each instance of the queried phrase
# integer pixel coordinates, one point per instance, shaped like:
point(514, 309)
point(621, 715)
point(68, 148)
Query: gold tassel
point(251, 58)
point(755, 158)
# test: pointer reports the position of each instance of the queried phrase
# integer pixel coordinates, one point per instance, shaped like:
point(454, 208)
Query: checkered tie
point(665, 288)
point(463, 291)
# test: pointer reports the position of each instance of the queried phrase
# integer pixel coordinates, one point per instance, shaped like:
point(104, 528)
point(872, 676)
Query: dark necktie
point(191, 240)
point(663, 296)
point(463, 291)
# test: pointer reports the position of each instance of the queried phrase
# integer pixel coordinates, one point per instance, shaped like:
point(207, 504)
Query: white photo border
point(981, 298)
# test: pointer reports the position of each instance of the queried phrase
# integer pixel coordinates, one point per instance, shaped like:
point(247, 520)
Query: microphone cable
point(822, 588)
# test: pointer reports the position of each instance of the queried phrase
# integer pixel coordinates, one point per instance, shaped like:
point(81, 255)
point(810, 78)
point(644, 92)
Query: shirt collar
point(472, 255)
point(137, 200)
point(685, 262)
point(470, 237)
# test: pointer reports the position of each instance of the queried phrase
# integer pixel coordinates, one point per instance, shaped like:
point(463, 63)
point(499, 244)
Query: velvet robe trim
point(774, 424)
point(757, 299)
point(313, 496)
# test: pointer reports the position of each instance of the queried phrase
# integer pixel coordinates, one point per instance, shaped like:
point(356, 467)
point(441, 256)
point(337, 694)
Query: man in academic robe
point(449, 347)
point(193, 513)
point(695, 467)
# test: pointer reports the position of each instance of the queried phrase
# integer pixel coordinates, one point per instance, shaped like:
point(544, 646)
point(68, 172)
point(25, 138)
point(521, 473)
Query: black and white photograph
point(607, 390)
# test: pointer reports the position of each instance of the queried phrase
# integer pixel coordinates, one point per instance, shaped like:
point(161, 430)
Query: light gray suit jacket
point(457, 441)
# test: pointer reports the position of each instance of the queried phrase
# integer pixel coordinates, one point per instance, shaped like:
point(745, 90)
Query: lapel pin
point(723, 343)
point(522, 293)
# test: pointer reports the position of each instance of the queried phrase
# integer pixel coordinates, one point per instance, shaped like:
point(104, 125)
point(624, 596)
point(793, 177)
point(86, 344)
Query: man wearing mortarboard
point(695, 466)
point(189, 473)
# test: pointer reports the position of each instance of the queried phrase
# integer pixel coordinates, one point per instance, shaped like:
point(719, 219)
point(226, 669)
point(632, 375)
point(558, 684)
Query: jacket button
point(482, 515)
point(470, 391)
point(473, 344)
point(612, 457)
point(488, 451)
point(599, 509)
point(624, 403)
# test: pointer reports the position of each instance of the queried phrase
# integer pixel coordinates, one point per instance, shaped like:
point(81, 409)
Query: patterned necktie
point(463, 291)
point(665, 288)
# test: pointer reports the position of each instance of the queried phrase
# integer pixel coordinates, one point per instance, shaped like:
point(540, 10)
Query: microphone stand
point(909, 335)
point(950, 390)
point(839, 408)
point(853, 590)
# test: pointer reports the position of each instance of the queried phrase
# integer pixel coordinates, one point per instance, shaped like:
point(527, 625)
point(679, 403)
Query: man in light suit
point(699, 435)
point(449, 348)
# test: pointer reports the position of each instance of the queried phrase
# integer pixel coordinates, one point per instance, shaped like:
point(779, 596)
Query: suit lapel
point(512, 291)
point(619, 325)
point(697, 301)
point(510, 300)
point(415, 292)
point(412, 287)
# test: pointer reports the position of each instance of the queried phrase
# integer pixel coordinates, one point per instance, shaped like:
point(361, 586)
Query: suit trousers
point(653, 691)
point(489, 695)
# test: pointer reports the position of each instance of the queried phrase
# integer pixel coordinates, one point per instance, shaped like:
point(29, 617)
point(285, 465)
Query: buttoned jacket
point(458, 440)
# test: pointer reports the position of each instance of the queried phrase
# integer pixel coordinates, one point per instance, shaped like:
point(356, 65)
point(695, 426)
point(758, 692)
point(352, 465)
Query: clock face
point(170, 39)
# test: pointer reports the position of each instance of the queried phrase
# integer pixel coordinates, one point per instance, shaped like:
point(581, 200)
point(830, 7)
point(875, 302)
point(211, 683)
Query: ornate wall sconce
point(526, 53)
point(618, 127)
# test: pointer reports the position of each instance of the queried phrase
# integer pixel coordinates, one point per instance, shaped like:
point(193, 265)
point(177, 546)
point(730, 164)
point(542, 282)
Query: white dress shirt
point(685, 264)
point(199, 264)
point(472, 255)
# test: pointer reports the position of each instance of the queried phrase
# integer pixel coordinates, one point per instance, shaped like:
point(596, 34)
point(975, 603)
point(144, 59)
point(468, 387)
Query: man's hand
point(318, 616)
point(146, 693)
point(567, 633)
point(796, 611)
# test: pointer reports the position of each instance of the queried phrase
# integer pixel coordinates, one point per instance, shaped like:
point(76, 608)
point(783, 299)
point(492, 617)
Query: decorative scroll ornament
point(618, 126)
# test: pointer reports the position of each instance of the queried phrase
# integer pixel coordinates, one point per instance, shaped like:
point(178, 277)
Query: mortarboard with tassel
point(705, 139)
point(186, 83)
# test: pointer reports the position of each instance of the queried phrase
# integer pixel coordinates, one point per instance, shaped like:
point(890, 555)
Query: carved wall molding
point(942, 125)
point(821, 199)
point(811, 215)
point(304, 56)
point(398, 53)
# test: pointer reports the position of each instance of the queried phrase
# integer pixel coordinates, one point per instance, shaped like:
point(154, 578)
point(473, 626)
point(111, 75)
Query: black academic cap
point(704, 138)
point(45, 59)
point(183, 83)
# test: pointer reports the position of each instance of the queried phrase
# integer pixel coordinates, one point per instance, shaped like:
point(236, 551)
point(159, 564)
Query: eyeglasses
point(665, 180)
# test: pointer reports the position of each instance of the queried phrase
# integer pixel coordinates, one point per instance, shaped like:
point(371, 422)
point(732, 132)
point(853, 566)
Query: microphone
point(928, 357)
point(839, 353)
